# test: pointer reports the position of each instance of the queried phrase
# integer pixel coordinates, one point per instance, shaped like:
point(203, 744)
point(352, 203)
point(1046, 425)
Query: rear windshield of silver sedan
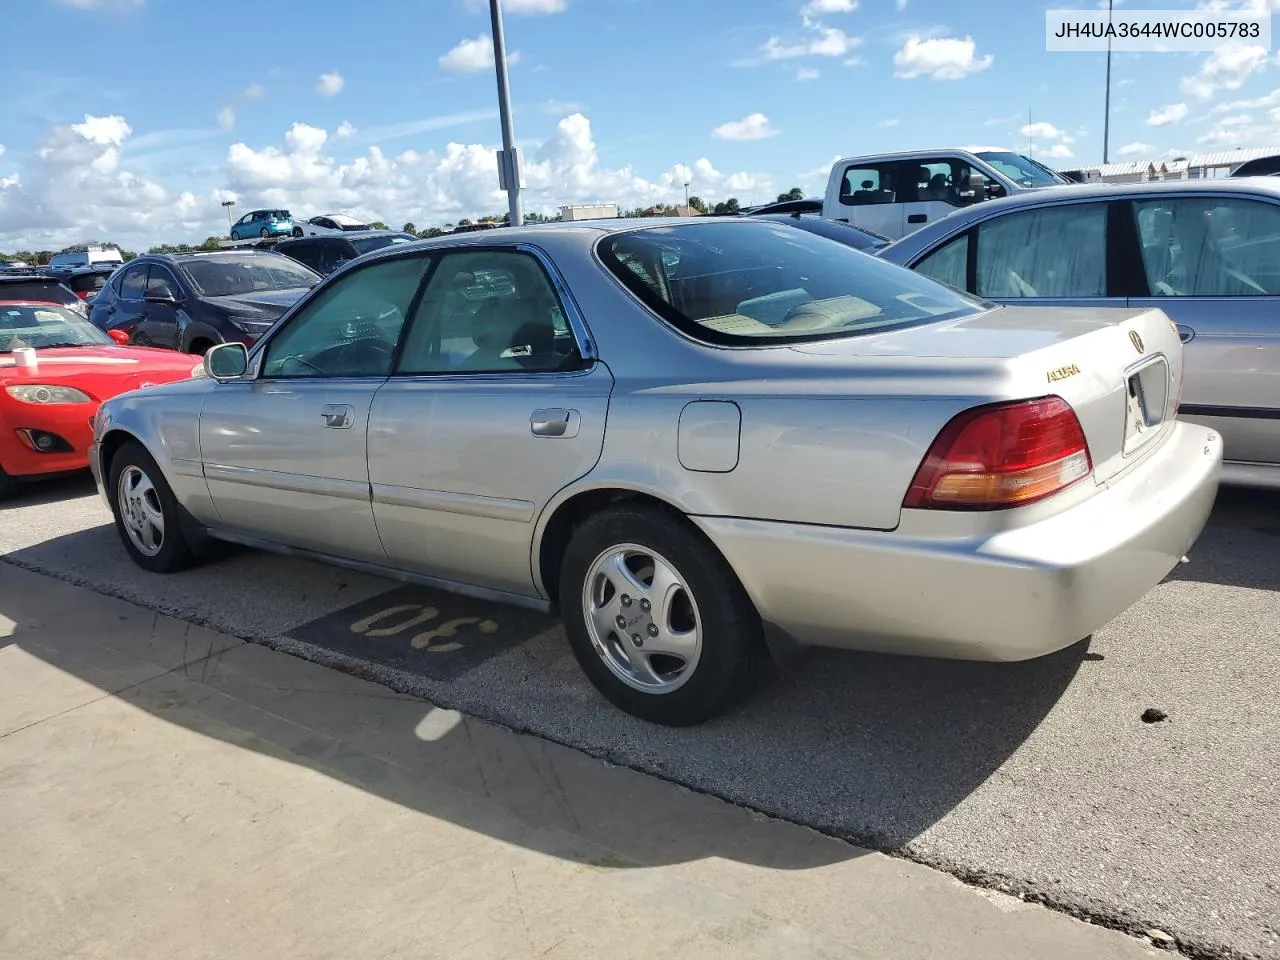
point(751, 282)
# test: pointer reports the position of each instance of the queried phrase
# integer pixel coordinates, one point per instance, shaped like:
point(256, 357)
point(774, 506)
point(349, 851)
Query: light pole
point(1106, 120)
point(508, 163)
point(228, 204)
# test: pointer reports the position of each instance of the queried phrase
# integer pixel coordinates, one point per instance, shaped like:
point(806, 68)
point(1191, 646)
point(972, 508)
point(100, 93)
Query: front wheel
point(234, 235)
point(264, 233)
point(297, 231)
point(656, 618)
point(146, 512)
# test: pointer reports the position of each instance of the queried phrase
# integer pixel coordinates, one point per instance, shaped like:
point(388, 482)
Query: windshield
point(232, 276)
point(1022, 170)
point(377, 243)
point(758, 282)
point(45, 326)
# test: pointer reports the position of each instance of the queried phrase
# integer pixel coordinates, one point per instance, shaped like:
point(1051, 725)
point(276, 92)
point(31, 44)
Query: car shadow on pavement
point(54, 490)
point(870, 748)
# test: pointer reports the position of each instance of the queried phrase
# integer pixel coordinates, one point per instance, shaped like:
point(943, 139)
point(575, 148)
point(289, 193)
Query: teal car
point(265, 223)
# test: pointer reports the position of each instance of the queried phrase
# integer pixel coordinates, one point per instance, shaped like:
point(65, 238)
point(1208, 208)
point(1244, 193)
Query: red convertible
point(56, 369)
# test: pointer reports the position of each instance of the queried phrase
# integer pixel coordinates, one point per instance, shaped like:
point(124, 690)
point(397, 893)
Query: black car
point(326, 253)
point(190, 301)
point(39, 287)
point(85, 282)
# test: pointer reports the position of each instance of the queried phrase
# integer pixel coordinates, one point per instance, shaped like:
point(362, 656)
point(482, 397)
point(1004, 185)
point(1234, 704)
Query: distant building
point(1199, 166)
point(588, 211)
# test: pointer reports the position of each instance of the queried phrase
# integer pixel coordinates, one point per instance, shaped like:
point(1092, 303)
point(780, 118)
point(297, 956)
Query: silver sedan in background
point(697, 439)
point(1206, 252)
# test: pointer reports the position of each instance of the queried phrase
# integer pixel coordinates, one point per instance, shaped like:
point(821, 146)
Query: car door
point(125, 311)
point(1210, 263)
point(495, 405)
point(936, 191)
point(1047, 255)
point(869, 196)
point(284, 447)
point(158, 320)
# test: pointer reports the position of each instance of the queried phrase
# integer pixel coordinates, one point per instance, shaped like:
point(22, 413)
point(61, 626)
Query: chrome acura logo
point(1136, 341)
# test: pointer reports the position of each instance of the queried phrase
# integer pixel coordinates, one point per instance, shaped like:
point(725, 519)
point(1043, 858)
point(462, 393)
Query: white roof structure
point(1216, 158)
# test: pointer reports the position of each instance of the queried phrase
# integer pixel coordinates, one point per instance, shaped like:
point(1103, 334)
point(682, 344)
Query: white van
point(893, 194)
point(89, 256)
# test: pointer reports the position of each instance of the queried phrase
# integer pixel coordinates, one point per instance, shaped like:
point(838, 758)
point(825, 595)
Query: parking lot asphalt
point(1040, 778)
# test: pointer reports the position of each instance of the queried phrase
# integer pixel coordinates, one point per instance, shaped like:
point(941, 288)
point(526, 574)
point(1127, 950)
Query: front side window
point(1209, 246)
point(491, 311)
point(134, 282)
point(160, 280)
point(235, 275)
point(352, 327)
point(760, 283)
point(1056, 251)
point(948, 264)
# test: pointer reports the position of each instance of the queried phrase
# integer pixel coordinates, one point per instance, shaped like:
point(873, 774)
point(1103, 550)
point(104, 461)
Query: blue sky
point(149, 112)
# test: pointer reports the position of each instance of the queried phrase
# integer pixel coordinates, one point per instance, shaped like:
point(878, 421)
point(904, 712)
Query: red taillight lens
point(1002, 455)
point(82, 294)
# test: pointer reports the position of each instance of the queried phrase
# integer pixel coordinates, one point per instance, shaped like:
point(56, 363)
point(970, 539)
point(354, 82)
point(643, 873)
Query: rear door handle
point(917, 218)
point(555, 422)
point(337, 416)
point(1185, 333)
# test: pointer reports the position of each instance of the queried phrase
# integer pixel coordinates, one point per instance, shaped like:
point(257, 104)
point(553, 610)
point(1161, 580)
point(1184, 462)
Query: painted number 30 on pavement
point(394, 621)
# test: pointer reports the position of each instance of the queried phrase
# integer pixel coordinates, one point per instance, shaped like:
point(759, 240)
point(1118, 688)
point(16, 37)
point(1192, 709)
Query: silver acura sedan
point(698, 440)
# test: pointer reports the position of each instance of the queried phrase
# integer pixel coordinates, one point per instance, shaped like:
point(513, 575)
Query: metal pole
point(516, 216)
point(1106, 121)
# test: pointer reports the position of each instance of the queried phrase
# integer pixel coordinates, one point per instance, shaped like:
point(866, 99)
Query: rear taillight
point(1002, 455)
point(82, 294)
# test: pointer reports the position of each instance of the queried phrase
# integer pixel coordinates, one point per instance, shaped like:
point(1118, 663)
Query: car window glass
point(862, 186)
point(949, 263)
point(350, 329)
point(941, 180)
point(1051, 252)
point(489, 312)
point(1209, 246)
point(160, 279)
point(134, 282)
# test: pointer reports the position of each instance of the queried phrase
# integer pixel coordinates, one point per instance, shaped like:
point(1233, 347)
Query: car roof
point(345, 235)
point(206, 254)
point(28, 277)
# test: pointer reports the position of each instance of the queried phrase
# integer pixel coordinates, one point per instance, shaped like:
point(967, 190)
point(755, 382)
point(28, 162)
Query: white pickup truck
point(893, 194)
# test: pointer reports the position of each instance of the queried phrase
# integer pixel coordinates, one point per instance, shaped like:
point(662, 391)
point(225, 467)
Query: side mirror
point(996, 190)
point(226, 361)
point(974, 188)
point(160, 294)
point(119, 336)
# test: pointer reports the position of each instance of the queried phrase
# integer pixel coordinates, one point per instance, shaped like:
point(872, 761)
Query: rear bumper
point(1012, 595)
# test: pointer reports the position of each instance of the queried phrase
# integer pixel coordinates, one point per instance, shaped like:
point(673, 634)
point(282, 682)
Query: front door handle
point(555, 422)
point(1185, 333)
point(917, 218)
point(337, 416)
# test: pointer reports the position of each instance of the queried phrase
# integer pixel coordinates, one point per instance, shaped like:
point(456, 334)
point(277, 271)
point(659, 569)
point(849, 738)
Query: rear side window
point(863, 186)
point(87, 282)
point(1056, 251)
point(760, 283)
point(949, 263)
point(1209, 246)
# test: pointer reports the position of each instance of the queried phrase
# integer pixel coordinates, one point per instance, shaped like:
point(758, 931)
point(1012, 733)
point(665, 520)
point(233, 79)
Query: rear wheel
point(199, 347)
point(146, 512)
point(656, 618)
point(264, 233)
point(297, 231)
point(235, 235)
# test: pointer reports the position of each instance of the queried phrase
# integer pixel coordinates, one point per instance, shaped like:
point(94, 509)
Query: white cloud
point(521, 6)
point(75, 187)
point(816, 8)
point(1173, 113)
point(103, 4)
point(807, 73)
point(470, 56)
point(943, 58)
point(889, 123)
point(345, 129)
point(830, 42)
point(561, 107)
point(255, 91)
point(754, 126)
point(1041, 130)
point(1226, 68)
point(330, 84)
point(900, 5)
point(1271, 99)
point(1, 149)
point(226, 118)
point(1059, 151)
point(1135, 149)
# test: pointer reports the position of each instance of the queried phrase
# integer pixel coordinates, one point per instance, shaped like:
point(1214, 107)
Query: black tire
point(198, 347)
point(234, 235)
point(732, 637)
point(297, 231)
point(264, 233)
point(174, 553)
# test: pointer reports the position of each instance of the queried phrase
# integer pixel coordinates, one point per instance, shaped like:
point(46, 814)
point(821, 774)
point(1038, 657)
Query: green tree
point(795, 193)
point(464, 222)
point(698, 204)
point(409, 227)
point(729, 206)
point(431, 232)
point(379, 225)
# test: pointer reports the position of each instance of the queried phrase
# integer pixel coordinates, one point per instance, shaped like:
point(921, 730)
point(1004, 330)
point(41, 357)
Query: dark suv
point(190, 301)
point(85, 282)
point(325, 254)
